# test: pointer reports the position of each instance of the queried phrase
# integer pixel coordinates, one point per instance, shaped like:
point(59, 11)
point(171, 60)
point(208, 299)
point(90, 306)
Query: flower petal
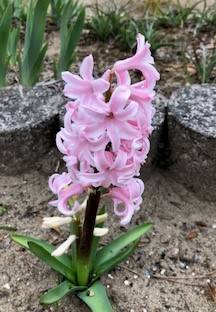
point(63, 248)
point(99, 232)
point(86, 68)
point(53, 222)
point(119, 99)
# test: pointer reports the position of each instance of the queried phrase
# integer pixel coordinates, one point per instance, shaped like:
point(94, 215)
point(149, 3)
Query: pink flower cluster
point(106, 131)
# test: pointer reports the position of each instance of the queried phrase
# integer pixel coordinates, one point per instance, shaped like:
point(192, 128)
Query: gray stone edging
point(32, 116)
point(192, 138)
point(28, 124)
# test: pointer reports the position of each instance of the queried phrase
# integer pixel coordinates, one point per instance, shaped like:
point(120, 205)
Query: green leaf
point(34, 50)
point(23, 241)
point(12, 45)
point(37, 66)
point(69, 39)
point(53, 262)
point(57, 293)
point(113, 262)
point(95, 297)
point(115, 247)
point(5, 23)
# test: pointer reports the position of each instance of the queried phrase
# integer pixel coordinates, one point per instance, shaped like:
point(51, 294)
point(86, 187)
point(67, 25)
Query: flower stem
point(84, 252)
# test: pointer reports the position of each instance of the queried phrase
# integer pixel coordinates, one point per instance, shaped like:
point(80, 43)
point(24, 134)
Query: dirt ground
point(182, 244)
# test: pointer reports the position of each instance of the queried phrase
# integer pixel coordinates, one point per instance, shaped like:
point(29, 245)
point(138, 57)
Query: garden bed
point(174, 268)
point(181, 244)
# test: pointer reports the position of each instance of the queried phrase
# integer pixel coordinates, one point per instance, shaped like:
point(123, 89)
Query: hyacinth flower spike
point(104, 142)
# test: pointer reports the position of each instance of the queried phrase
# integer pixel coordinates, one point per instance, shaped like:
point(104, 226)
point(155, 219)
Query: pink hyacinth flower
point(114, 120)
point(112, 170)
point(127, 199)
point(86, 89)
point(142, 61)
point(105, 137)
point(138, 91)
point(62, 186)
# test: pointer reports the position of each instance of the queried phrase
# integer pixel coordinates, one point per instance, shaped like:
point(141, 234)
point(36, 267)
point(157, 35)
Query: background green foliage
point(24, 31)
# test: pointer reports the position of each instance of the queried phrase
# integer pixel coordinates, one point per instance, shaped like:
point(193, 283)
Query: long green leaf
point(74, 35)
point(38, 27)
point(23, 241)
point(69, 39)
point(53, 262)
point(28, 29)
point(57, 293)
point(33, 50)
point(37, 66)
point(4, 37)
point(95, 297)
point(115, 247)
point(12, 45)
point(113, 262)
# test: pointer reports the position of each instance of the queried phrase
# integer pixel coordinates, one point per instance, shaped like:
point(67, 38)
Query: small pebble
point(6, 286)
point(108, 286)
point(91, 293)
point(173, 253)
point(127, 283)
point(162, 272)
point(110, 276)
point(182, 265)
point(165, 239)
point(147, 274)
point(135, 276)
point(214, 226)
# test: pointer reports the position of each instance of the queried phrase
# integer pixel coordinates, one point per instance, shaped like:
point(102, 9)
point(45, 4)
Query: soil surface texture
point(174, 268)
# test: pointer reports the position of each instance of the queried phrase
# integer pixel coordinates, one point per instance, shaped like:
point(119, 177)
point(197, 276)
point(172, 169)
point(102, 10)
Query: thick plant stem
point(84, 252)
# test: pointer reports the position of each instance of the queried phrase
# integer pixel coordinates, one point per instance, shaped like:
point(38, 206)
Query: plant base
point(95, 297)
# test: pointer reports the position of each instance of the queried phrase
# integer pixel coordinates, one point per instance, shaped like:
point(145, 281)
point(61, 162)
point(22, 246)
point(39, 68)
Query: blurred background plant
point(27, 48)
point(70, 33)
point(31, 61)
point(13, 45)
point(206, 16)
point(38, 39)
point(58, 8)
point(176, 14)
point(19, 8)
point(107, 20)
point(148, 28)
point(5, 28)
point(204, 62)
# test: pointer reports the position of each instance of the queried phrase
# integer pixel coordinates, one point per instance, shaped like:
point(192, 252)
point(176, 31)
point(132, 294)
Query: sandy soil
point(181, 244)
